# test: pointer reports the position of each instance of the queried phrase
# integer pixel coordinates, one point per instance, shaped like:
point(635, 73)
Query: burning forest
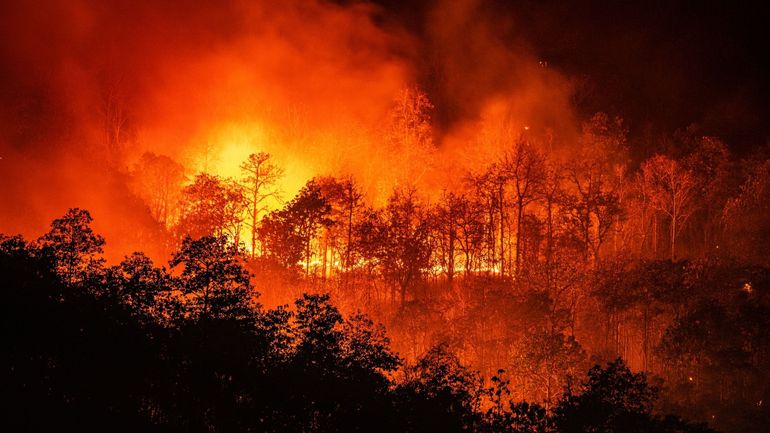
point(318, 216)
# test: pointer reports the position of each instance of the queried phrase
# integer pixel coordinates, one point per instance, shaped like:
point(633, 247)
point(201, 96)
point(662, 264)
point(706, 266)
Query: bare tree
point(524, 167)
point(260, 183)
point(710, 164)
point(444, 219)
point(673, 189)
point(593, 206)
point(158, 179)
point(115, 116)
point(485, 190)
point(345, 199)
point(405, 252)
point(470, 231)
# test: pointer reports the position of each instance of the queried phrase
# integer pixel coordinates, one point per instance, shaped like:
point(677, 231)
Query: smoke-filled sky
point(312, 82)
point(663, 63)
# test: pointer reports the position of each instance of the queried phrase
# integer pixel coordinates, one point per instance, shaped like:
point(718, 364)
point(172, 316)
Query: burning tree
point(469, 226)
point(279, 239)
point(711, 167)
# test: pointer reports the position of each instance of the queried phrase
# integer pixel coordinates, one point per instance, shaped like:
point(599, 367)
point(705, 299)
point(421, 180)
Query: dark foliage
point(136, 348)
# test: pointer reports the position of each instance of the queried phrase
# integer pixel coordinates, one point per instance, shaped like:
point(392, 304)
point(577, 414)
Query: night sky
point(660, 64)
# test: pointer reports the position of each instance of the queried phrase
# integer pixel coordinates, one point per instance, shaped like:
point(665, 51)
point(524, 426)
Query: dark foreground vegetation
point(138, 348)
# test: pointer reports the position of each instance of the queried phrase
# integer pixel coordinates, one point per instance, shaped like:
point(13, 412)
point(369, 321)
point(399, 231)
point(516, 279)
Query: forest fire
point(320, 215)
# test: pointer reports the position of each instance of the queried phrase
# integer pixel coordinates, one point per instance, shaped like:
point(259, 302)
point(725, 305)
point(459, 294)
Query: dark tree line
point(135, 347)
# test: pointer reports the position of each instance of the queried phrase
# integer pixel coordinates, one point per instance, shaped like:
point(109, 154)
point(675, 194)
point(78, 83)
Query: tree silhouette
point(213, 276)
point(211, 206)
point(73, 246)
point(506, 416)
point(403, 249)
point(524, 166)
point(135, 347)
point(158, 180)
point(612, 399)
point(144, 287)
point(279, 238)
point(445, 219)
point(345, 207)
point(290, 232)
point(443, 391)
point(260, 183)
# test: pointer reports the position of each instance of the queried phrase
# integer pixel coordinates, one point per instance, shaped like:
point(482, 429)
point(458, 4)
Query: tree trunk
point(254, 211)
point(451, 258)
point(501, 198)
point(491, 242)
point(519, 214)
point(325, 253)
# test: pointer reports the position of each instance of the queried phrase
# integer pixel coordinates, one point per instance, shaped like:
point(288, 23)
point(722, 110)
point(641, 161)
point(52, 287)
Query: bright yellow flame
point(230, 144)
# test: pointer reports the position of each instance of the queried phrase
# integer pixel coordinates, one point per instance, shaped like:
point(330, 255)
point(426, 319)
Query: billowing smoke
point(86, 87)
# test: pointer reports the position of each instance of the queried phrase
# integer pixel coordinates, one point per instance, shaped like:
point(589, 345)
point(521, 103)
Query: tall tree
point(744, 217)
point(279, 238)
point(524, 166)
point(405, 252)
point(470, 229)
point(595, 180)
point(486, 189)
point(116, 117)
point(710, 165)
point(551, 197)
point(593, 207)
point(345, 201)
point(498, 178)
point(260, 183)
point(546, 362)
point(444, 218)
point(309, 212)
point(290, 233)
point(673, 191)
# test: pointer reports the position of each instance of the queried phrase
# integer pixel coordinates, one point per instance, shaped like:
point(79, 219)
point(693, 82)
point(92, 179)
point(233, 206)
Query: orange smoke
point(90, 87)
